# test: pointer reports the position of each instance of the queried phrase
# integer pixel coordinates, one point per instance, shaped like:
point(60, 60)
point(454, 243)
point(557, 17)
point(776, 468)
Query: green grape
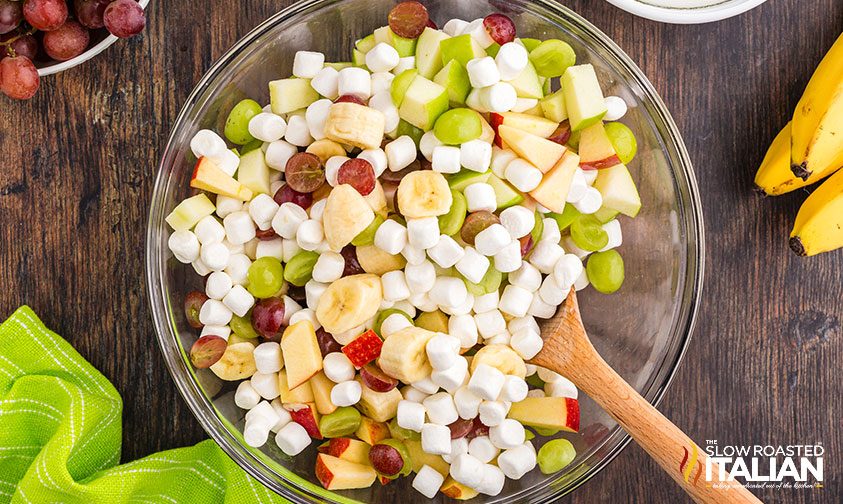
point(384, 315)
point(538, 229)
point(400, 433)
point(342, 422)
point(249, 147)
point(623, 140)
point(566, 218)
point(530, 43)
point(458, 126)
point(266, 277)
point(555, 455)
point(299, 269)
point(605, 271)
point(367, 236)
point(405, 128)
point(552, 57)
point(451, 223)
point(490, 282)
point(237, 124)
point(493, 49)
point(588, 234)
point(534, 381)
point(528, 435)
point(242, 326)
point(546, 432)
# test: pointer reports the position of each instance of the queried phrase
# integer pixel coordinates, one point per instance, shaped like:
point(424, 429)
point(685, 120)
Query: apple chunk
point(363, 349)
point(538, 126)
point(189, 212)
point(560, 413)
point(305, 415)
point(338, 474)
point(423, 103)
point(552, 191)
point(541, 152)
point(372, 431)
point(321, 387)
point(300, 348)
point(618, 190)
point(208, 177)
point(456, 490)
point(301, 394)
point(595, 149)
point(352, 450)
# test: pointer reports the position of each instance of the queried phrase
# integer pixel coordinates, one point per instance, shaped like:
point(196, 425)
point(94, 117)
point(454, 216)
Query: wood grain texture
point(77, 164)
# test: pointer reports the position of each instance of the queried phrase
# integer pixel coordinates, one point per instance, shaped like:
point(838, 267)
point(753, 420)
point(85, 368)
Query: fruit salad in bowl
point(373, 241)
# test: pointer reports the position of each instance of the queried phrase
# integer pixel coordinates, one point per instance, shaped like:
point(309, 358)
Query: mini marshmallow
point(406, 307)
point(292, 439)
point(268, 357)
point(391, 237)
point(344, 338)
point(490, 323)
point(493, 480)
point(423, 302)
point(518, 461)
point(376, 158)
point(459, 446)
point(483, 72)
point(413, 394)
point(283, 415)
point(329, 267)
point(477, 30)
point(523, 175)
point(325, 83)
point(209, 230)
point(306, 64)
point(238, 268)
point(500, 97)
point(235, 248)
point(613, 229)
point(267, 127)
point(536, 393)
point(482, 449)
point(291, 307)
point(474, 101)
point(498, 339)
point(278, 153)
point(316, 115)
point(262, 209)
point(256, 433)
point(298, 131)
point(414, 255)
point(382, 58)
point(445, 159)
point(447, 252)
point(480, 196)
point(551, 293)
point(395, 286)
point(524, 104)
point(428, 481)
point(544, 256)
point(382, 102)
point(436, 439)
point(217, 285)
point(561, 387)
point(467, 403)
point(521, 322)
point(442, 351)
point(228, 161)
point(572, 248)
point(313, 291)
point(463, 308)
point(239, 300)
point(263, 413)
point(453, 377)
point(200, 267)
point(448, 291)
point(547, 375)
point(246, 397)
point(405, 63)
point(441, 409)
point(590, 176)
point(616, 108)
point(492, 240)
point(420, 277)
point(382, 81)
point(239, 226)
point(463, 328)
point(427, 386)
point(355, 81)
point(337, 367)
point(508, 259)
point(427, 143)
point(310, 235)
point(400, 153)
point(455, 27)
point(185, 246)
point(486, 382)
point(332, 168)
point(578, 187)
point(566, 271)
point(287, 220)
point(492, 413)
point(223, 332)
point(515, 301)
point(486, 302)
point(317, 209)
point(346, 393)
point(500, 160)
point(393, 324)
point(467, 470)
point(514, 389)
point(215, 256)
point(206, 143)
point(512, 59)
point(226, 205)
point(518, 220)
point(540, 309)
point(424, 232)
point(266, 384)
point(508, 434)
point(530, 369)
point(526, 342)
point(473, 266)
point(476, 155)
point(590, 202)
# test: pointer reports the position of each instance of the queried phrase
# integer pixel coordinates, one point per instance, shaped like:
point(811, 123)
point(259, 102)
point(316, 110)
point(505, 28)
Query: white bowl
point(686, 11)
point(60, 66)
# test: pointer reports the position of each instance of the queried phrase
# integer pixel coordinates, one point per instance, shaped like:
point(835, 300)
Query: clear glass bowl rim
point(689, 203)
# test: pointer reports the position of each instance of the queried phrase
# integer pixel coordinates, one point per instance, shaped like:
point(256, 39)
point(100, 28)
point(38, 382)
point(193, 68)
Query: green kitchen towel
point(60, 433)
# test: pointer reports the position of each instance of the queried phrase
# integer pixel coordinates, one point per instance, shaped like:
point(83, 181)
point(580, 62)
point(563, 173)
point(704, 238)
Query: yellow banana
point(817, 143)
point(819, 224)
point(775, 176)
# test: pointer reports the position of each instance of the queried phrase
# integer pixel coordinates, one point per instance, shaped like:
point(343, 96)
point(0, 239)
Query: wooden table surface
point(77, 164)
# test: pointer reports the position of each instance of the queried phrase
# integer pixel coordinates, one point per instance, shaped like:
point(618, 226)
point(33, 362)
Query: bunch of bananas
point(809, 149)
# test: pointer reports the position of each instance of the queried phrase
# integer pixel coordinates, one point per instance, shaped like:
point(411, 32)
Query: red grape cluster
point(45, 30)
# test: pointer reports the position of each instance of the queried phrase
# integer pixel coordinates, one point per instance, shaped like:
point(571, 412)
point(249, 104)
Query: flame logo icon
point(686, 467)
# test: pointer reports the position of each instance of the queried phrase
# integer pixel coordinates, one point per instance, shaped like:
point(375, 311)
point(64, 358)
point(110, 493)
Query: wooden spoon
point(568, 351)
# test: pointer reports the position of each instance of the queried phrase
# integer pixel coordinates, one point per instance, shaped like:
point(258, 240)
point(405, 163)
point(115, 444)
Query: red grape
point(478, 429)
point(375, 379)
point(25, 45)
point(268, 318)
point(192, 304)
point(352, 265)
point(386, 460)
point(392, 176)
point(476, 222)
point(67, 41)
point(350, 98)
point(304, 172)
point(327, 343)
point(266, 235)
point(11, 14)
point(500, 28)
point(461, 428)
point(359, 174)
point(432, 24)
point(287, 193)
point(124, 18)
point(207, 350)
point(526, 245)
point(408, 19)
point(90, 12)
point(18, 77)
point(45, 15)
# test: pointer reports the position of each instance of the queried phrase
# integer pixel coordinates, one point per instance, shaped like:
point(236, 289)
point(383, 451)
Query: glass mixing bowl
point(643, 330)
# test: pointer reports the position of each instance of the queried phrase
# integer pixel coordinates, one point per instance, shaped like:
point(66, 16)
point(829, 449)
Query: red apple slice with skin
point(363, 349)
point(349, 449)
point(338, 474)
point(561, 413)
point(535, 125)
point(306, 416)
point(209, 177)
point(541, 152)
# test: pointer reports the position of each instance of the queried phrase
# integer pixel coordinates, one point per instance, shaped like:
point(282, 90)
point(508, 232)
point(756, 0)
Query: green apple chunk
point(583, 96)
point(365, 44)
point(423, 103)
point(405, 128)
point(618, 190)
point(553, 106)
point(405, 46)
point(287, 95)
point(463, 179)
point(527, 84)
point(454, 78)
point(189, 212)
point(552, 57)
point(339, 66)
point(505, 195)
point(462, 48)
point(253, 172)
point(400, 84)
point(382, 34)
point(458, 126)
point(530, 43)
point(605, 215)
point(429, 52)
point(358, 58)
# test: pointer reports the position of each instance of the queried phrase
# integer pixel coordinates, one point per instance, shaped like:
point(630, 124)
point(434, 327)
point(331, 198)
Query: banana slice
point(325, 149)
point(377, 200)
point(403, 355)
point(376, 261)
point(354, 124)
point(349, 302)
point(379, 406)
point(237, 363)
point(346, 215)
point(502, 358)
point(424, 193)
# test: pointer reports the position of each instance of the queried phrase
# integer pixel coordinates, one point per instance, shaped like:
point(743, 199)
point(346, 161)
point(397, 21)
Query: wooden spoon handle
point(675, 452)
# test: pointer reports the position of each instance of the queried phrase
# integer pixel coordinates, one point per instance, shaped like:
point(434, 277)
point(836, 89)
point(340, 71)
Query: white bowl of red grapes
point(43, 37)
